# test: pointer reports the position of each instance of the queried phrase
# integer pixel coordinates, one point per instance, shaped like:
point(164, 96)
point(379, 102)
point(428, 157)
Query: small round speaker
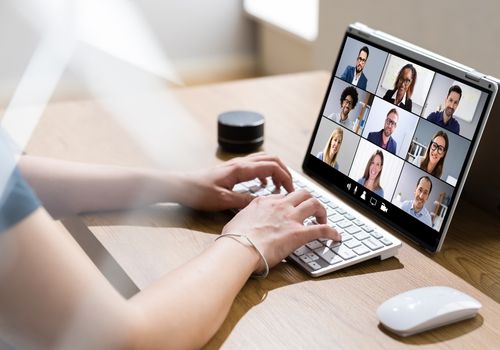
point(240, 131)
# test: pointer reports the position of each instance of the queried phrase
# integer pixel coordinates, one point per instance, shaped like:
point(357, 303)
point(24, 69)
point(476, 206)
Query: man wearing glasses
point(354, 75)
point(383, 137)
point(445, 117)
point(348, 100)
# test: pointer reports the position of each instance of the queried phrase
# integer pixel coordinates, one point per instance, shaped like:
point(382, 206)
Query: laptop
point(396, 134)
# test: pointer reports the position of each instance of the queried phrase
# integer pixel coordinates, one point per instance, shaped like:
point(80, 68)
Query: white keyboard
point(362, 239)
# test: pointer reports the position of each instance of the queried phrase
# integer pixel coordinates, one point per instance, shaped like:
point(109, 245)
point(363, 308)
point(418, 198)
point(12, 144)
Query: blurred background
point(193, 42)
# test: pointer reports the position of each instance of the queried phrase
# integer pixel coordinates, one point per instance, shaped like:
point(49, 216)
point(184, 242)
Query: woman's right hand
point(275, 224)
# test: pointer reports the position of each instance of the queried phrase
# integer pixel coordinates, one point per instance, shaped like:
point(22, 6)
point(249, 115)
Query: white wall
point(203, 40)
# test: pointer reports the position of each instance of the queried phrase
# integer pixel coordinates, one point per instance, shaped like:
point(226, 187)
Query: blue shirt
point(376, 138)
point(423, 215)
point(17, 200)
point(348, 76)
point(437, 117)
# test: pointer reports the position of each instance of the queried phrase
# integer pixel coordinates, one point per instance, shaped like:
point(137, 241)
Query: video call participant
point(383, 138)
point(403, 88)
point(433, 160)
point(416, 207)
point(373, 171)
point(332, 147)
point(348, 100)
point(355, 75)
point(445, 118)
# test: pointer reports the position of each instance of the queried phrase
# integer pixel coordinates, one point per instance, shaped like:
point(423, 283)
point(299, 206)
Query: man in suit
point(383, 137)
point(354, 75)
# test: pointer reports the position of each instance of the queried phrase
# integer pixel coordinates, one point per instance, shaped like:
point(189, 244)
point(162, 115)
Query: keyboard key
point(335, 217)
point(358, 222)
point(361, 235)
point(329, 256)
point(346, 237)
point(377, 234)
point(333, 205)
point(301, 251)
point(240, 188)
point(341, 211)
point(352, 229)
point(324, 200)
point(349, 216)
point(311, 256)
point(255, 188)
point(332, 243)
point(353, 243)
point(367, 228)
point(314, 265)
point(372, 243)
point(344, 252)
point(314, 245)
point(386, 241)
point(330, 211)
point(344, 223)
point(361, 250)
point(262, 192)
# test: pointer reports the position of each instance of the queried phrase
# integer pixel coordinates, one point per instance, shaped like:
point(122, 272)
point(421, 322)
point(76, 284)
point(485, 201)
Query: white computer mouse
point(426, 308)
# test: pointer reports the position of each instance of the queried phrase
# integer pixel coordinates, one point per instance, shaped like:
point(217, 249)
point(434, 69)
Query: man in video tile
point(383, 137)
point(445, 117)
point(416, 207)
point(355, 75)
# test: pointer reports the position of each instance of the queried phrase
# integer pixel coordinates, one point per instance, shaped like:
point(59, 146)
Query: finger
point(261, 156)
point(235, 200)
point(311, 207)
point(297, 197)
point(250, 170)
point(307, 234)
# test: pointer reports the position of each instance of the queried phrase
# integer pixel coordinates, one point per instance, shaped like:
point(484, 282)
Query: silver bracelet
point(235, 236)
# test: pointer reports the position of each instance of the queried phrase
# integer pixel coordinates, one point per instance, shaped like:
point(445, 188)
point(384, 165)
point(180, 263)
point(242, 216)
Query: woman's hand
point(211, 189)
point(275, 224)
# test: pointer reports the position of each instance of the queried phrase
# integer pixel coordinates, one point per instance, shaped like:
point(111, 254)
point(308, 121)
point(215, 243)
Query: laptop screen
point(396, 133)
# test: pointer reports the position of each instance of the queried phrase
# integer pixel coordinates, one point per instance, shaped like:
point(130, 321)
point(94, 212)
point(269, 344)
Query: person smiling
point(403, 88)
point(332, 147)
point(415, 207)
point(433, 160)
point(373, 171)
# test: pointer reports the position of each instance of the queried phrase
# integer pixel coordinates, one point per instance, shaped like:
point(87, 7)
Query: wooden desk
point(288, 309)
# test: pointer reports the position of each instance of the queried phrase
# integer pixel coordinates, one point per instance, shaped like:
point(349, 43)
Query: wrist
point(256, 258)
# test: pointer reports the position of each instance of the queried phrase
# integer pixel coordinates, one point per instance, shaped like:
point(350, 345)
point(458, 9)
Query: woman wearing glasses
point(433, 160)
point(403, 88)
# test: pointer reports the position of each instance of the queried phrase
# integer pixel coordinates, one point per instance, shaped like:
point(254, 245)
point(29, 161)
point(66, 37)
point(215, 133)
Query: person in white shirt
point(415, 207)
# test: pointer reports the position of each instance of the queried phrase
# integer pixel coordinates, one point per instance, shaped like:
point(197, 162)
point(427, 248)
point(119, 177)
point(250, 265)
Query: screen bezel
point(410, 227)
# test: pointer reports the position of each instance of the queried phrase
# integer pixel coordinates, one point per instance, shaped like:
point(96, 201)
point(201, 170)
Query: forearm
point(67, 188)
point(185, 308)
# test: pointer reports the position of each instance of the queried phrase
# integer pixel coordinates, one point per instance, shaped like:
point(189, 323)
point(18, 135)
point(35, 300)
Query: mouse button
point(399, 313)
point(458, 306)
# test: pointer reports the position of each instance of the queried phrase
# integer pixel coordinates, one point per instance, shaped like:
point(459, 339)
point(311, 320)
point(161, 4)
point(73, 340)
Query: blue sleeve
point(344, 75)
point(17, 201)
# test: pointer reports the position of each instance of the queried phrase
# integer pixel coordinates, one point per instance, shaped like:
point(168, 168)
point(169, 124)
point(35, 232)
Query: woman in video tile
point(433, 160)
point(373, 171)
point(403, 88)
point(332, 147)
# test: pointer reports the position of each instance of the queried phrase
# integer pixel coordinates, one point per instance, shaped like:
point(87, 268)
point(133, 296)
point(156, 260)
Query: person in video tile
point(383, 138)
point(355, 75)
point(416, 207)
point(373, 171)
point(433, 160)
point(332, 147)
point(445, 117)
point(403, 88)
point(348, 100)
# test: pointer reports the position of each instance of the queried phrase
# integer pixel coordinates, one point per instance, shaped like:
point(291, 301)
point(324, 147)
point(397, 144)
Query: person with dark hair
point(403, 87)
point(445, 117)
point(355, 75)
point(348, 100)
point(383, 138)
point(433, 160)
point(373, 172)
point(415, 207)
point(332, 148)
